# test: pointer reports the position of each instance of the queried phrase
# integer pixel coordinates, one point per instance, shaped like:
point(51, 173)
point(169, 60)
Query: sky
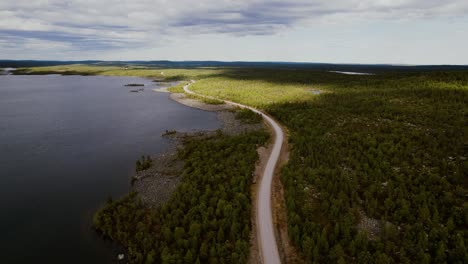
point(330, 31)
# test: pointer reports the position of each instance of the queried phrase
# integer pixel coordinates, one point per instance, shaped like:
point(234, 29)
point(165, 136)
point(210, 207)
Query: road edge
point(267, 231)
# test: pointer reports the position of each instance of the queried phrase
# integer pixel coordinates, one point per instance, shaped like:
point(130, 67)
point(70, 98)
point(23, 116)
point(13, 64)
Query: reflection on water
point(353, 73)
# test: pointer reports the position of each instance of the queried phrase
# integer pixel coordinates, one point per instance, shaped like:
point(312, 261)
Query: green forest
point(248, 116)
point(378, 163)
point(391, 148)
point(208, 218)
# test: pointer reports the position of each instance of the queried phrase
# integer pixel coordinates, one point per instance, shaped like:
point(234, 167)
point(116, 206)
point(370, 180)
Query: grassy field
point(163, 74)
point(378, 164)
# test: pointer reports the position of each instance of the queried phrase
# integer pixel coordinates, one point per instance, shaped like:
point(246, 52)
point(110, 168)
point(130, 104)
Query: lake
point(66, 144)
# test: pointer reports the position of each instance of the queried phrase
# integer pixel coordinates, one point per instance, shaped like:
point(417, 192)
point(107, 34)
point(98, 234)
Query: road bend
point(265, 229)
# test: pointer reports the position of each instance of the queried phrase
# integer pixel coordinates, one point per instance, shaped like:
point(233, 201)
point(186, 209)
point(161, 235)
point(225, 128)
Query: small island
point(135, 84)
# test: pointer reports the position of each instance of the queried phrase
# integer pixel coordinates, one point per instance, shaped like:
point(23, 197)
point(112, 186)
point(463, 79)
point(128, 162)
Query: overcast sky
point(336, 31)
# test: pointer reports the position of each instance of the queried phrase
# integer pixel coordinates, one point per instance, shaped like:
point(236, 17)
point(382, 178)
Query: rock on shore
point(156, 184)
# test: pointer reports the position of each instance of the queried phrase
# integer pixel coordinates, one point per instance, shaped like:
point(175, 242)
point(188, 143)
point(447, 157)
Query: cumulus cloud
point(107, 24)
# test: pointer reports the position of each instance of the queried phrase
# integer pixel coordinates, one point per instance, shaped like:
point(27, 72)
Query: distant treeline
point(37, 63)
point(371, 68)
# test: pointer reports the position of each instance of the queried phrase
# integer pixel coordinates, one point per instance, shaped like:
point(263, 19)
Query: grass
point(239, 85)
point(179, 88)
point(257, 93)
point(155, 73)
point(205, 100)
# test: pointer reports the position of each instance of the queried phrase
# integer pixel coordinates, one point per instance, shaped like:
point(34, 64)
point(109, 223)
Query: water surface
point(352, 73)
point(66, 144)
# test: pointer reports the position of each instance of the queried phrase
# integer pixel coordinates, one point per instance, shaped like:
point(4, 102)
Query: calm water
point(66, 144)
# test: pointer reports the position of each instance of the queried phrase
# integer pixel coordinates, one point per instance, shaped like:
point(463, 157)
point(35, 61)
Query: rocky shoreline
point(156, 184)
point(6, 71)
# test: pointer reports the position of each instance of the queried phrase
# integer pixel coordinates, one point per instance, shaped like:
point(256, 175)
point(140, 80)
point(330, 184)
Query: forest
point(378, 165)
point(208, 218)
point(378, 169)
point(387, 148)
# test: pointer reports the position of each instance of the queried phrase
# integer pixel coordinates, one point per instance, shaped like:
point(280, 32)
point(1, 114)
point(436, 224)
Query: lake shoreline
point(156, 184)
point(65, 121)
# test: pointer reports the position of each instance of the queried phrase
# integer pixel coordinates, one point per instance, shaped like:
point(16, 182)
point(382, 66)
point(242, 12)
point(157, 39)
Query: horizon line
point(236, 61)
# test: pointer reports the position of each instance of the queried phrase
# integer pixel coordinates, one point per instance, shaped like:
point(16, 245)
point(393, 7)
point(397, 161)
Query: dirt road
point(266, 232)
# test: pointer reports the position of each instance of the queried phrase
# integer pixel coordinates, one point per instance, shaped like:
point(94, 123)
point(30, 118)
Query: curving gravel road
point(266, 232)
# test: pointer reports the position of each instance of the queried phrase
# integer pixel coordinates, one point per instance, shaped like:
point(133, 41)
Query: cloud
point(109, 24)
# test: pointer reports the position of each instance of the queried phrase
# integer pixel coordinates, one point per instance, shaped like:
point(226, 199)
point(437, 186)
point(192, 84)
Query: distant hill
point(37, 63)
point(243, 64)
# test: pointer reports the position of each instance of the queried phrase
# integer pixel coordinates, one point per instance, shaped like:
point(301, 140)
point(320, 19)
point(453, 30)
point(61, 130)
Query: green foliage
point(207, 220)
point(143, 163)
point(258, 93)
point(248, 116)
point(391, 146)
point(179, 88)
point(212, 101)
point(140, 71)
point(205, 100)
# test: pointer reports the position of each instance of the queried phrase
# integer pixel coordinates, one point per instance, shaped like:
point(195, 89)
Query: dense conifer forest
point(208, 218)
point(378, 165)
point(387, 150)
